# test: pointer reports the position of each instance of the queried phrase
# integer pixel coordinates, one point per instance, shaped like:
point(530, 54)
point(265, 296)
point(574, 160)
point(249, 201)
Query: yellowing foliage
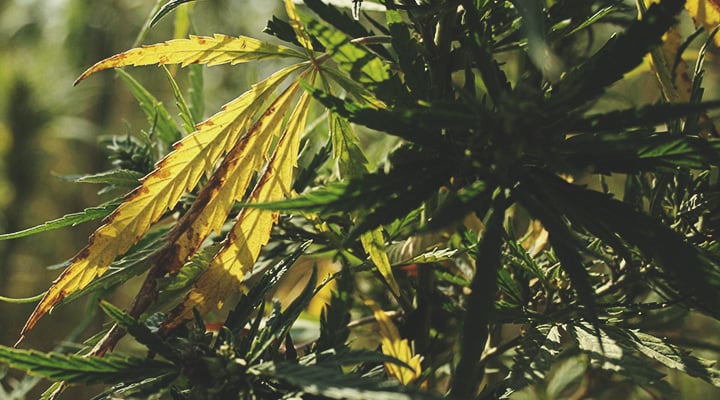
point(227, 185)
point(251, 231)
point(705, 13)
point(297, 26)
point(394, 346)
point(160, 190)
point(216, 50)
point(374, 245)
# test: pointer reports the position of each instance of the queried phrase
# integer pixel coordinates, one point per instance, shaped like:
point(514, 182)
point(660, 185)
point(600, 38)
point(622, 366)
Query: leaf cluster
point(490, 122)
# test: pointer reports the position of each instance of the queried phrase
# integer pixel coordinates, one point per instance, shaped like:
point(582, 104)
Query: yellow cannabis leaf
point(705, 13)
point(394, 346)
point(160, 190)
point(297, 26)
point(374, 244)
point(216, 50)
point(251, 231)
point(227, 185)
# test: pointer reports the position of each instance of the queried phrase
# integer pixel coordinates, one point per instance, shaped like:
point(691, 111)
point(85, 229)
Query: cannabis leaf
point(705, 13)
point(78, 369)
point(180, 170)
point(252, 227)
point(215, 50)
point(395, 346)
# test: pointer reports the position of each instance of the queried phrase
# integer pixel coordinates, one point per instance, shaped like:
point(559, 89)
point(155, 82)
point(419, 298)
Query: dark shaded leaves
point(332, 383)
point(638, 151)
point(686, 267)
point(620, 54)
point(536, 353)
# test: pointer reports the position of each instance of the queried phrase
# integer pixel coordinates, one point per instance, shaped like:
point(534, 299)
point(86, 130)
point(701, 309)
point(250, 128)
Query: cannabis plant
point(493, 226)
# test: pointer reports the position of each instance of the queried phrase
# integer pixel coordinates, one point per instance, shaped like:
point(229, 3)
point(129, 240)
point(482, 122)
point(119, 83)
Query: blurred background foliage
point(48, 129)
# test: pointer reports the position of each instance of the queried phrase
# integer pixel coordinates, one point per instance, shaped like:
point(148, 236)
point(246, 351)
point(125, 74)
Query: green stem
point(22, 300)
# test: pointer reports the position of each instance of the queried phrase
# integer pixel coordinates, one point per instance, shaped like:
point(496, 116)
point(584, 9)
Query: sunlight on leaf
point(297, 26)
point(216, 50)
point(156, 113)
point(251, 231)
point(354, 59)
point(394, 346)
point(539, 347)
point(178, 172)
point(346, 150)
point(228, 184)
point(374, 244)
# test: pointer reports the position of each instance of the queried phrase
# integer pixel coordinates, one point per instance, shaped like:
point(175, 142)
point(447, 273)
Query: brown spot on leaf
point(83, 254)
point(142, 190)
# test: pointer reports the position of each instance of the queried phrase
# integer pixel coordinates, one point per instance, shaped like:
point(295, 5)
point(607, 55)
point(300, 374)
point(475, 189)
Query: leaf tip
point(80, 78)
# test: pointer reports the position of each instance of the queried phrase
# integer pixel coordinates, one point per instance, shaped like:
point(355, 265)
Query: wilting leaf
point(395, 346)
point(228, 184)
point(251, 230)
point(178, 172)
point(216, 50)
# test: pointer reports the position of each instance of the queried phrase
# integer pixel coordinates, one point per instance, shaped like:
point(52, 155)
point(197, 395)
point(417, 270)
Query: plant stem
point(481, 304)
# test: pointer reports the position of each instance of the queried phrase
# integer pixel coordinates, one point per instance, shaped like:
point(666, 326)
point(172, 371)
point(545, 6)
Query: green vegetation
point(419, 200)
